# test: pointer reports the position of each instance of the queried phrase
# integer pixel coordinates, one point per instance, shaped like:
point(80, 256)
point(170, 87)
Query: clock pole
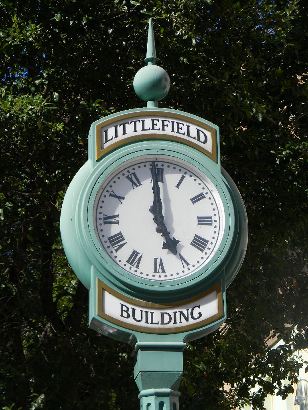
point(158, 373)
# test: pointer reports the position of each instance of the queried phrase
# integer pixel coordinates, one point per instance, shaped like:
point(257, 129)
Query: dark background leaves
point(64, 64)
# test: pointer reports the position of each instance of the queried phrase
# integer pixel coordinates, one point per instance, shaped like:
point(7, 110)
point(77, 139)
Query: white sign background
point(123, 129)
point(157, 318)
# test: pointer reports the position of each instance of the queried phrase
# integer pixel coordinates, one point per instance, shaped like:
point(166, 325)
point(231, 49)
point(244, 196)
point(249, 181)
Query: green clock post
point(156, 230)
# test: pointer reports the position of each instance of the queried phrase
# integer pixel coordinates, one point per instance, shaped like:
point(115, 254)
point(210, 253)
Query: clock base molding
point(128, 314)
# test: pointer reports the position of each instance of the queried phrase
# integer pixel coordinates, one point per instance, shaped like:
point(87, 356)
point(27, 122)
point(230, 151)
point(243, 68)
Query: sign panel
point(164, 125)
point(148, 317)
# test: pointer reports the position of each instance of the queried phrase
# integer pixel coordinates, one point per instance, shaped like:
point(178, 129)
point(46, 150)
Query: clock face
point(159, 218)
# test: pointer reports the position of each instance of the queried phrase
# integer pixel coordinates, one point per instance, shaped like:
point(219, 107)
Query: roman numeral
point(134, 259)
point(180, 181)
point(183, 261)
point(205, 220)
point(159, 266)
point(118, 197)
point(134, 180)
point(199, 243)
point(197, 198)
point(111, 219)
point(117, 241)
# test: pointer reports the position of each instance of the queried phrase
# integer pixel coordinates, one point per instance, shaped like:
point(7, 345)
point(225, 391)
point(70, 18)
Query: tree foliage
point(64, 64)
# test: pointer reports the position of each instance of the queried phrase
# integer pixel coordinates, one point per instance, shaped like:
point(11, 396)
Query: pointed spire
point(151, 50)
point(151, 83)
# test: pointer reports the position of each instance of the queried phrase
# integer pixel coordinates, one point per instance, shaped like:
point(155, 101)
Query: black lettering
point(124, 311)
point(134, 180)
point(175, 317)
point(180, 181)
point(188, 130)
point(164, 124)
point(134, 315)
point(179, 128)
point(172, 126)
point(135, 124)
point(143, 126)
point(134, 259)
point(155, 124)
point(146, 314)
point(123, 125)
point(199, 315)
point(118, 197)
point(182, 315)
point(111, 219)
point(162, 318)
point(205, 220)
point(159, 266)
point(199, 243)
point(183, 261)
point(116, 131)
point(197, 198)
point(152, 319)
point(201, 136)
point(106, 139)
point(117, 241)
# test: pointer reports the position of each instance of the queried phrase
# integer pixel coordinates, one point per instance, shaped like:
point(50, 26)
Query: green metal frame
point(83, 249)
point(115, 276)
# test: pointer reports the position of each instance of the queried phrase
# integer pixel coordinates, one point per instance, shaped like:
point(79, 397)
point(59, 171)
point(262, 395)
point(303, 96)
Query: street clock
point(157, 217)
point(156, 229)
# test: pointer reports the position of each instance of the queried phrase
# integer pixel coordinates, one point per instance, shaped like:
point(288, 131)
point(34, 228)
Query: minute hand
point(156, 210)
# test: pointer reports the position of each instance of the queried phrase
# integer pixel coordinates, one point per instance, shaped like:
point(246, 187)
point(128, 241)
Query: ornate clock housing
point(156, 217)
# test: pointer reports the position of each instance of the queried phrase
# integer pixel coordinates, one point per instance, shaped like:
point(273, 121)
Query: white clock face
point(159, 226)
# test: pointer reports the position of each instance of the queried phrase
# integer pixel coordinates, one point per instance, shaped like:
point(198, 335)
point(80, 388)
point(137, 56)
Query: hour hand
point(170, 244)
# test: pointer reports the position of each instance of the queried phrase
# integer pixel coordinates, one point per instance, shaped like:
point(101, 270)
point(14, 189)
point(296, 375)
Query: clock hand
point(157, 210)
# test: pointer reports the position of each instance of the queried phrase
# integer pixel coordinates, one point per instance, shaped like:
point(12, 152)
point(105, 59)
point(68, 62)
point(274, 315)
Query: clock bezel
point(113, 273)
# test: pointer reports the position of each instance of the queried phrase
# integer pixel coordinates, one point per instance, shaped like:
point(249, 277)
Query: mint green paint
point(115, 276)
point(158, 372)
point(151, 83)
point(151, 49)
point(86, 261)
point(159, 399)
point(240, 238)
point(74, 252)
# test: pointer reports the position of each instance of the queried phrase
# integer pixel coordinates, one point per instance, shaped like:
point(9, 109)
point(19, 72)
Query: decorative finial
point(151, 50)
point(151, 83)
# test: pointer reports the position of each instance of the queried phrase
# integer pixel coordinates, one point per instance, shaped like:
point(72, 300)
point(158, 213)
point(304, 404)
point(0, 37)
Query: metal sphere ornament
point(151, 83)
